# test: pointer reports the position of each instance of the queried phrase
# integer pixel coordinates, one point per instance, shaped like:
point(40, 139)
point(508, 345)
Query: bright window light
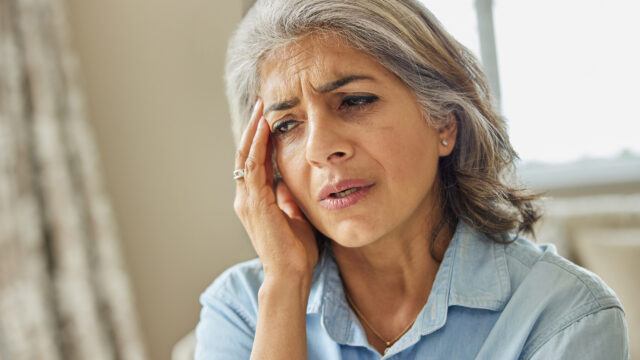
point(569, 73)
point(459, 19)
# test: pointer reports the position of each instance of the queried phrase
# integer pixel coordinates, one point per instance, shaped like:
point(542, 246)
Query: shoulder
point(540, 266)
point(599, 335)
point(228, 317)
point(553, 294)
point(236, 287)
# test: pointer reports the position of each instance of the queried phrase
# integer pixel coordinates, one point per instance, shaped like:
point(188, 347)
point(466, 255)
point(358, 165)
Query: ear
point(447, 136)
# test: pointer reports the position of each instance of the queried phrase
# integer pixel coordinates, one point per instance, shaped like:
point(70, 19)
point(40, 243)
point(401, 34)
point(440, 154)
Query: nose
point(327, 142)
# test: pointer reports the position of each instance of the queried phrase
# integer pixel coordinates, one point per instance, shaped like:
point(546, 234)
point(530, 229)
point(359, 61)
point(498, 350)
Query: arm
point(601, 335)
point(225, 330)
point(284, 241)
point(229, 328)
point(281, 332)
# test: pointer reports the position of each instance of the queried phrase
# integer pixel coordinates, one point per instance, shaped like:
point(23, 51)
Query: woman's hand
point(280, 233)
point(285, 243)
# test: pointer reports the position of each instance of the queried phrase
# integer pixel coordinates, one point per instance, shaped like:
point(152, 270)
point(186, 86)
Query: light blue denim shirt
point(488, 301)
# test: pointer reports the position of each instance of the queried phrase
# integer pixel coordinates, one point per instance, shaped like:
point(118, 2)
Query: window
point(459, 19)
point(569, 73)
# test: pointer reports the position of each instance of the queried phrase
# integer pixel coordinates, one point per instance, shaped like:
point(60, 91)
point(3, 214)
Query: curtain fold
point(64, 291)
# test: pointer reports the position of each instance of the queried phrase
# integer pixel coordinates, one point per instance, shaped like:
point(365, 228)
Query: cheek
point(286, 158)
point(409, 158)
point(291, 164)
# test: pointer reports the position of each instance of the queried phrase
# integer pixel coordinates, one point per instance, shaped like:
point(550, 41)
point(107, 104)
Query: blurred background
point(146, 77)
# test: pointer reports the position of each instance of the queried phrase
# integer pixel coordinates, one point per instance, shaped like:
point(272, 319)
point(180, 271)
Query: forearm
point(281, 328)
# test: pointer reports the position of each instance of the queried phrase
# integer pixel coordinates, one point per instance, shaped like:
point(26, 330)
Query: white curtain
point(64, 292)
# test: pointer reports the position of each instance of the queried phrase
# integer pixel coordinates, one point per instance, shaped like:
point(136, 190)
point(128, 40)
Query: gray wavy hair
point(409, 41)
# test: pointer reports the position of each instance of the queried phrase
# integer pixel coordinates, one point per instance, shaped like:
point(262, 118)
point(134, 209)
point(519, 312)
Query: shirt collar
point(473, 274)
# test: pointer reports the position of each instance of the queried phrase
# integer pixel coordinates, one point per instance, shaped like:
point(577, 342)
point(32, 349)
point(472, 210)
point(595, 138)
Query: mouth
point(345, 198)
point(344, 193)
point(341, 188)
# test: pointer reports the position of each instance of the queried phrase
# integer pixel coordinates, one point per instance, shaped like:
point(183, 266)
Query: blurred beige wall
point(153, 79)
point(153, 75)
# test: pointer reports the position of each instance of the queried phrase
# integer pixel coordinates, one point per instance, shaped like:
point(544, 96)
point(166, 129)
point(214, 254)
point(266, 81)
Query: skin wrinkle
point(327, 143)
point(300, 85)
point(381, 244)
point(328, 87)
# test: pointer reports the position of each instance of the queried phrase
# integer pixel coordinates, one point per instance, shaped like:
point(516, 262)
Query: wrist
point(292, 287)
point(296, 275)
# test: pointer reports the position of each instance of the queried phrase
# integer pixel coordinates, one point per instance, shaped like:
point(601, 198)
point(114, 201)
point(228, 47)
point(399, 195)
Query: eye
point(357, 101)
point(283, 127)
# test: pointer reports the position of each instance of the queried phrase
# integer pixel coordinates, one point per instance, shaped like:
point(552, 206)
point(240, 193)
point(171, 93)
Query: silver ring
point(238, 174)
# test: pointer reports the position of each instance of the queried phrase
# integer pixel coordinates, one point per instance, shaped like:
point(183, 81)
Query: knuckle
point(250, 164)
point(240, 155)
point(239, 211)
point(239, 206)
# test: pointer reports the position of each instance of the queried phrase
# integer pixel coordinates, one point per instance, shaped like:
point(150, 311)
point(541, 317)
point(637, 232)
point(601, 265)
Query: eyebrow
point(333, 85)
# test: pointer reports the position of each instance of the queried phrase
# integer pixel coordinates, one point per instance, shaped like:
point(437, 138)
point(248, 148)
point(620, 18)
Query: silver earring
point(445, 142)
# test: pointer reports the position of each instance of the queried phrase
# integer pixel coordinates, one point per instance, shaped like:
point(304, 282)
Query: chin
point(352, 244)
point(352, 237)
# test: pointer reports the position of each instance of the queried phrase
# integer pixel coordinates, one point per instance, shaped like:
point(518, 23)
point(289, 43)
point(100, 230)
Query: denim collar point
point(480, 277)
point(470, 259)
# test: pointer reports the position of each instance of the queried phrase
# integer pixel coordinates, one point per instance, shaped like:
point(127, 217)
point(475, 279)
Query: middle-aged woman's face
point(335, 114)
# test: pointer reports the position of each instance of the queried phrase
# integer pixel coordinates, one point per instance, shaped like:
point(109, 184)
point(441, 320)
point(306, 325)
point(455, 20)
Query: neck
point(389, 281)
point(399, 265)
point(396, 268)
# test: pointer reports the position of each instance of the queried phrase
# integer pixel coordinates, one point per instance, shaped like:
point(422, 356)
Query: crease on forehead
point(303, 50)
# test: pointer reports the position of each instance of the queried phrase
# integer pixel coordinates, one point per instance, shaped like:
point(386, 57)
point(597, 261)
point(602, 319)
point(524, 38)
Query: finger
point(269, 162)
point(286, 202)
point(247, 136)
point(256, 161)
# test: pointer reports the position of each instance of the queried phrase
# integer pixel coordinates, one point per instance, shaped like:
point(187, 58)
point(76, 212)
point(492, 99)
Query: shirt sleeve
point(225, 331)
point(601, 335)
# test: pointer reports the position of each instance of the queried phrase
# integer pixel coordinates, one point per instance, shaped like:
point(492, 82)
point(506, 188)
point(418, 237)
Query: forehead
point(314, 60)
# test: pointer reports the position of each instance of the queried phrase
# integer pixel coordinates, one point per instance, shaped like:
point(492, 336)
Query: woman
point(389, 228)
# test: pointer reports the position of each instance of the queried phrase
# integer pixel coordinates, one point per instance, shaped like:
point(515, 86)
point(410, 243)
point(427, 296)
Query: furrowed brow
point(283, 105)
point(334, 85)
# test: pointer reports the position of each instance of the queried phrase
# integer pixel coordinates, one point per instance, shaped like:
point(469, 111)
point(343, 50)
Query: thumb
point(286, 202)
